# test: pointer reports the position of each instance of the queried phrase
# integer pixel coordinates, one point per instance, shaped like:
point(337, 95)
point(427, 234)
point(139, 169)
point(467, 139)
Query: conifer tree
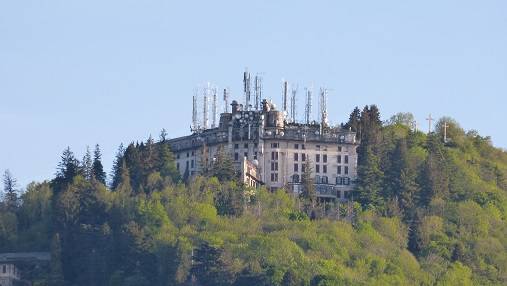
point(354, 120)
point(86, 165)
point(308, 193)
point(10, 196)
point(68, 167)
point(97, 168)
point(56, 271)
point(117, 165)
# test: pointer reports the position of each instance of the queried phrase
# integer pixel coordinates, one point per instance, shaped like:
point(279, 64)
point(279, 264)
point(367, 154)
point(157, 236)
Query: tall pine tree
point(97, 168)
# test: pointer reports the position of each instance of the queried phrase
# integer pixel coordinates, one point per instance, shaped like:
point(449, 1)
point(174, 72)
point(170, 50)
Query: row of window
point(320, 179)
point(324, 158)
point(236, 146)
point(317, 169)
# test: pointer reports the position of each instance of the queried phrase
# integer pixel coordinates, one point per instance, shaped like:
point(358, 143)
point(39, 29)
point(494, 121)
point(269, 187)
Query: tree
point(97, 168)
point(10, 197)
point(209, 268)
point(222, 167)
point(117, 166)
point(163, 136)
point(68, 167)
point(354, 120)
point(308, 193)
point(56, 270)
point(86, 164)
point(402, 118)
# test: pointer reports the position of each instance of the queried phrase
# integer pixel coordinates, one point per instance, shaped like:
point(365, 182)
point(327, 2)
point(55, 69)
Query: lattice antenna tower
point(258, 91)
point(205, 102)
point(285, 93)
point(293, 99)
point(226, 100)
point(247, 82)
point(195, 121)
point(323, 106)
point(308, 105)
point(214, 109)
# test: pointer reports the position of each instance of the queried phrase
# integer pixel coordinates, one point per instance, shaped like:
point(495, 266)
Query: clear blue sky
point(76, 73)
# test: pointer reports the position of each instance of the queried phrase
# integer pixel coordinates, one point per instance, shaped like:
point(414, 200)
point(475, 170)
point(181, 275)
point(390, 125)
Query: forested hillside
point(425, 212)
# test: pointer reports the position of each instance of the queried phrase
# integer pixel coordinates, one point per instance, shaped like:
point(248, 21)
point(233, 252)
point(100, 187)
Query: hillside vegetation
point(425, 212)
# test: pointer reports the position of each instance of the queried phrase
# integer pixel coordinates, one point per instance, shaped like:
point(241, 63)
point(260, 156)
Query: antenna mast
point(308, 108)
point(194, 112)
point(293, 98)
point(246, 88)
point(323, 106)
point(226, 100)
point(205, 108)
point(258, 91)
point(285, 91)
point(214, 108)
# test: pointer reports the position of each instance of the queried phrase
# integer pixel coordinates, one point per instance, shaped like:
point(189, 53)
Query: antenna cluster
point(205, 105)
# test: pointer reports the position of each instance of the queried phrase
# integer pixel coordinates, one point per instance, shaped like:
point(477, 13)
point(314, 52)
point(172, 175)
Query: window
point(317, 147)
point(346, 170)
point(317, 179)
point(275, 145)
point(346, 181)
point(178, 166)
point(193, 153)
point(186, 165)
point(324, 169)
point(256, 145)
point(274, 155)
point(303, 157)
point(192, 163)
point(236, 146)
point(324, 158)
point(178, 156)
point(339, 181)
point(323, 180)
point(296, 146)
point(255, 155)
point(339, 159)
point(4, 270)
point(295, 178)
point(296, 157)
point(246, 146)
point(296, 167)
point(236, 156)
point(339, 170)
point(274, 166)
point(188, 154)
point(317, 168)
point(317, 157)
point(274, 177)
point(303, 168)
point(346, 159)
point(303, 146)
point(339, 148)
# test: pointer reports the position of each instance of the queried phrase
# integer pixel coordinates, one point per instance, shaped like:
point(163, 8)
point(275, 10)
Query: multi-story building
point(269, 150)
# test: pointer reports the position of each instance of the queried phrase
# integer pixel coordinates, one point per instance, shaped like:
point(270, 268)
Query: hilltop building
point(270, 148)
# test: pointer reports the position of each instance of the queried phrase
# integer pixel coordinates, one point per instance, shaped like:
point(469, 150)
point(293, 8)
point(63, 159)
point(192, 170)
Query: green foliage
point(427, 213)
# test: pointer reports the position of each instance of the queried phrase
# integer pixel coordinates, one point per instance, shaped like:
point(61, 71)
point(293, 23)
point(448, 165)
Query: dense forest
point(424, 212)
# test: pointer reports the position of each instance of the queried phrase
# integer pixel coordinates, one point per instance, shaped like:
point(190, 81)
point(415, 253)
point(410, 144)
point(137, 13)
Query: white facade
point(279, 150)
point(8, 274)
